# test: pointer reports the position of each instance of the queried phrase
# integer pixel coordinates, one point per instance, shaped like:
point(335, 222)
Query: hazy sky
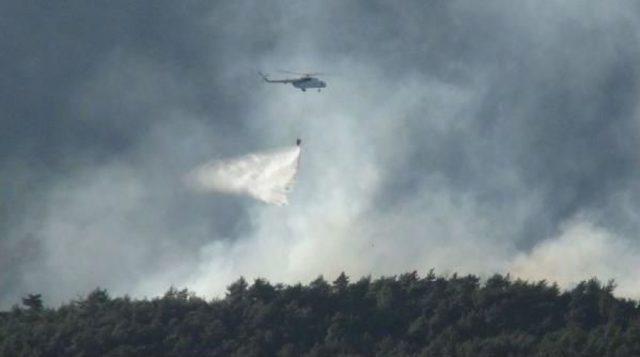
point(467, 136)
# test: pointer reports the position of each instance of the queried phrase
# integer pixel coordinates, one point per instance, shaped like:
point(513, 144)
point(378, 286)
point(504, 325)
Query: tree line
point(405, 315)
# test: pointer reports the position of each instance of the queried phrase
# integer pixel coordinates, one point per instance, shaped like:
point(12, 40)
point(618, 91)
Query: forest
point(405, 315)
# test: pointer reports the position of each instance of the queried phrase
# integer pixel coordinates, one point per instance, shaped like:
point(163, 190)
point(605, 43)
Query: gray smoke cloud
point(471, 137)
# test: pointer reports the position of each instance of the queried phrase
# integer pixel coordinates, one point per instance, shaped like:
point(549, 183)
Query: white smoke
point(266, 176)
point(581, 251)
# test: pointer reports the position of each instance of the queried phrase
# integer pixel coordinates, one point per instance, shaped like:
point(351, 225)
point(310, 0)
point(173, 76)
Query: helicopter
point(306, 81)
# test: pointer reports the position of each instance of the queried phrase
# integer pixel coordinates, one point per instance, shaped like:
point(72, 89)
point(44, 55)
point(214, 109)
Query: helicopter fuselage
point(306, 83)
point(302, 83)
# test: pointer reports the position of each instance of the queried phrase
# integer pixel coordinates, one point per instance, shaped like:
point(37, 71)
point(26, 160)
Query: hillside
point(403, 315)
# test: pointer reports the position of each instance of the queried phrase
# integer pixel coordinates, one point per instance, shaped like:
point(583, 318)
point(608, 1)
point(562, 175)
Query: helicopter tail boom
point(266, 79)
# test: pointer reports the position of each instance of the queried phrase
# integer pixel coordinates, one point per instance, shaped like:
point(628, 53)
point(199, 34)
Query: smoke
point(476, 138)
point(266, 176)
point(582, 251)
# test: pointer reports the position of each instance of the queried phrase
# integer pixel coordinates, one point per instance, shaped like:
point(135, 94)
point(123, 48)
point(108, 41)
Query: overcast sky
point(476, 137)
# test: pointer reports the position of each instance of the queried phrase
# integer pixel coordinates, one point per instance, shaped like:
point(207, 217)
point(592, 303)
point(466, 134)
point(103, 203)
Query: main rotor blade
point(291, 72)
point(303, 73)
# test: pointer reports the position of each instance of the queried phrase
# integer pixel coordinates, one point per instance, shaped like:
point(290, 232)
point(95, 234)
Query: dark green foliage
point(390, 316)
point(33, 302)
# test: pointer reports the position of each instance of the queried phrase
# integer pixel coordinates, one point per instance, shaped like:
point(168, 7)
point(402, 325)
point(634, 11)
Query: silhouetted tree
point(389, 316)
point(33, 302)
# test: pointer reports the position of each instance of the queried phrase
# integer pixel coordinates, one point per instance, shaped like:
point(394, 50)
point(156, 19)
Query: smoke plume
point(476, 137)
